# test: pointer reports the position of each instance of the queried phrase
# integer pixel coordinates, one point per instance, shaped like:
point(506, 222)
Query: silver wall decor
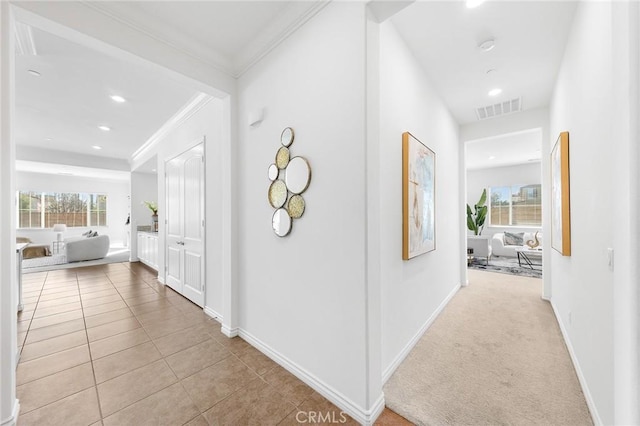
point(290, 177)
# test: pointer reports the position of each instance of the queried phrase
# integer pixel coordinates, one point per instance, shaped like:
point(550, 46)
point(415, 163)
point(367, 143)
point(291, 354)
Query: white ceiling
point(505, 150)
point(530, 37)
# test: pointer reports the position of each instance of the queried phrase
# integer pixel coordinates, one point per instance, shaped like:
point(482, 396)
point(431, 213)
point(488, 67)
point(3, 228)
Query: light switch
point(610, 258)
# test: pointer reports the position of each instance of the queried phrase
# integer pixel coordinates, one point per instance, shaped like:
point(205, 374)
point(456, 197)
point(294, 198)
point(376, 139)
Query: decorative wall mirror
point(286, 137)
point(281, 223)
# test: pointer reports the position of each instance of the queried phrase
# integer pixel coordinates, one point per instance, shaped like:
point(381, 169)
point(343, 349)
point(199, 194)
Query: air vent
point(502, 108)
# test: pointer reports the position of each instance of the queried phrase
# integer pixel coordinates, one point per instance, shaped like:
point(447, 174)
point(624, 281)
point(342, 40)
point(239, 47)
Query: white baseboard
point(213, 314)
point(13, 419)
point(576, 365)
point(365, 417)
point(161, 280)
point(230, 332)
point(388, 372)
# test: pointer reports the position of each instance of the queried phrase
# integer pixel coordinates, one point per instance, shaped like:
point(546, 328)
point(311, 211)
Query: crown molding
point(194, 105)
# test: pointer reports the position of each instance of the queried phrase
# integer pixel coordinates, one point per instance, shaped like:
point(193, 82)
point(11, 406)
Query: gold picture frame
point(560, 200)
point(418, 197)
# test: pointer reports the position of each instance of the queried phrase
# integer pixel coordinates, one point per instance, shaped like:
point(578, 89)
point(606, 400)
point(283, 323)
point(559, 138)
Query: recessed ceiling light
point(153, 170)
point(495, 92)
point(34, 73)
point(96, 147)
point(493, 157)
point(48, 139)
point(104, 128)
point(474, 3)
point(487, 45)
point(118, 99)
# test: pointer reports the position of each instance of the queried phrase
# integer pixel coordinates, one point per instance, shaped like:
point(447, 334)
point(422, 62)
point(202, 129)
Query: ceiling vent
point(502, 108)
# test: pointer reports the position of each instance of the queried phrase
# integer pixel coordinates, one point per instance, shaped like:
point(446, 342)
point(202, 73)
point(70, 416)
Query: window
point(518, 205)
point(45, 209)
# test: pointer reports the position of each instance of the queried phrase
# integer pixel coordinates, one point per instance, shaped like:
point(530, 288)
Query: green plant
point(152, 205)
point(476, 218)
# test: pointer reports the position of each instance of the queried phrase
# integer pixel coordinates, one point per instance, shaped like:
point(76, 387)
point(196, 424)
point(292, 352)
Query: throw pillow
point(513, 239)
point(86, 234)
point(94, 234)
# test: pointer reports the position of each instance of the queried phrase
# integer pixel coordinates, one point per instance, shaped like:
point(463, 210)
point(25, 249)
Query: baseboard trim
point(213, 314)
point(230, 332)
point(595, 416)
point(13, 419)
point(388, 372)
point(161, 280)
point(365, 417)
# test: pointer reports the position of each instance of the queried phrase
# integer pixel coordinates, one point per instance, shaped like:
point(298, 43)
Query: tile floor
point(109, 345)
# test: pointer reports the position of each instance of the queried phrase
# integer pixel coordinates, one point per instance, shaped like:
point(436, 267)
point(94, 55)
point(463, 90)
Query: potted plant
point(153, 206)
point(477, 216)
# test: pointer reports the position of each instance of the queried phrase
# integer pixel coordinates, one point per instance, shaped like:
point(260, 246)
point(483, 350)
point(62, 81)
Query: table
point(56, 246)
point(525, 254)
point(19, 249)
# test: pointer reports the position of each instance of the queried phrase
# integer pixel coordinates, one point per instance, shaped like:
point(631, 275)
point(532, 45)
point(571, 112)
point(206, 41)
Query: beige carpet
point(494, 356)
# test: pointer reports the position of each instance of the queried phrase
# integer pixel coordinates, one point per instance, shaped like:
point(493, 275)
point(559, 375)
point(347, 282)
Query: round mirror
point(273, 172)
point(282, 157)
point(298, 175)
point(286, 137)
point(295, 206)
point(277, 194)
point(281, 222)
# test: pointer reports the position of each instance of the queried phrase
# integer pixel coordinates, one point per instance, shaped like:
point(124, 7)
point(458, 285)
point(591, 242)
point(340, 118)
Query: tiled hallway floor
point(110, 345)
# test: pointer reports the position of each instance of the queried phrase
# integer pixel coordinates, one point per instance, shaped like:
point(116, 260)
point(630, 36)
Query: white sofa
point(499, 248)
point(86, 248)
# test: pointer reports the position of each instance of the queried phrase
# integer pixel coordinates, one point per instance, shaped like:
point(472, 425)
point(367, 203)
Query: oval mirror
point(277, 194)
point(273, 172)
point(286, 137)
point(298, 175)
point(295, 206)
point(281, 222)
point(282, 157)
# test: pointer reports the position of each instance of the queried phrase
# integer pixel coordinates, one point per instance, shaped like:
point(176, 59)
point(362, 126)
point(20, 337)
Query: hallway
point(110, 345)
point(495, 355)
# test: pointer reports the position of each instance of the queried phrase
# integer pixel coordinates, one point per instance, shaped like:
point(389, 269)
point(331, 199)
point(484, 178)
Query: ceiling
point(63, 107)
point(529, 36)
point(505, 150)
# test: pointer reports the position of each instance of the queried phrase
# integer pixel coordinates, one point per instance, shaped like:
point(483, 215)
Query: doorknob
point(180, 243)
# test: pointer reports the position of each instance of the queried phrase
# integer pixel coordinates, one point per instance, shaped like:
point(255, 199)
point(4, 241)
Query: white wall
point(412, 291)
point(117, 203)
point(591, 300)
point(477, 180)
point(302, 297)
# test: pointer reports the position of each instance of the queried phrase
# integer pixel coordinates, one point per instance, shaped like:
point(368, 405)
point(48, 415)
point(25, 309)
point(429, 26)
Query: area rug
point(494, 356)
point(507, 265)
point(59, 261)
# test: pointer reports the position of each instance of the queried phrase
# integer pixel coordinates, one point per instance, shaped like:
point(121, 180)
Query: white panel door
point(185, 224)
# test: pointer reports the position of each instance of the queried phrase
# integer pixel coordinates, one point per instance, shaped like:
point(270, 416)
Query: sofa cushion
point(514, 239)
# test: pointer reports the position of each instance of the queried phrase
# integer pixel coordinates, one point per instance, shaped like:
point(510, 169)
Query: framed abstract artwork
point(418, 197)
point(560, 205)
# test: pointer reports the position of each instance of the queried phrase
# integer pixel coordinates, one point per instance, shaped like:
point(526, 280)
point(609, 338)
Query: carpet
point(508, 265)
point(494, 356)
point(59, 261)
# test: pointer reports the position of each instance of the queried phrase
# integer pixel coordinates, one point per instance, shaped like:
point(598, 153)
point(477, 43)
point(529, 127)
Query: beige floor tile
point(86, 303)
point(195, 358)
point(116, 364)
point(162, 328)
point(154, 409)
point(45, 366)
point(235, 344)
point(256, 403)
point(257, 361)
point(151, 306)
point(54, 330)
point(143, 299)
point(292, 388)
point(21, 338)
point(107, 307)
point(128, 293)
point(25, 315)
point(161, 314)
point(117, 343)
point(176, 342)
point(47, 303)
point(317, 404)
point(86, 290)
point(67, 307)
point(52, 388)
point(55, 319)
point(78, 409)
point(100, 319)
point(198, 421)
point(131, 387)
point(216, 382)
point(23, 326)
point(111, 291)
point(112, 328)
point(53, 345)
point(61, 293)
